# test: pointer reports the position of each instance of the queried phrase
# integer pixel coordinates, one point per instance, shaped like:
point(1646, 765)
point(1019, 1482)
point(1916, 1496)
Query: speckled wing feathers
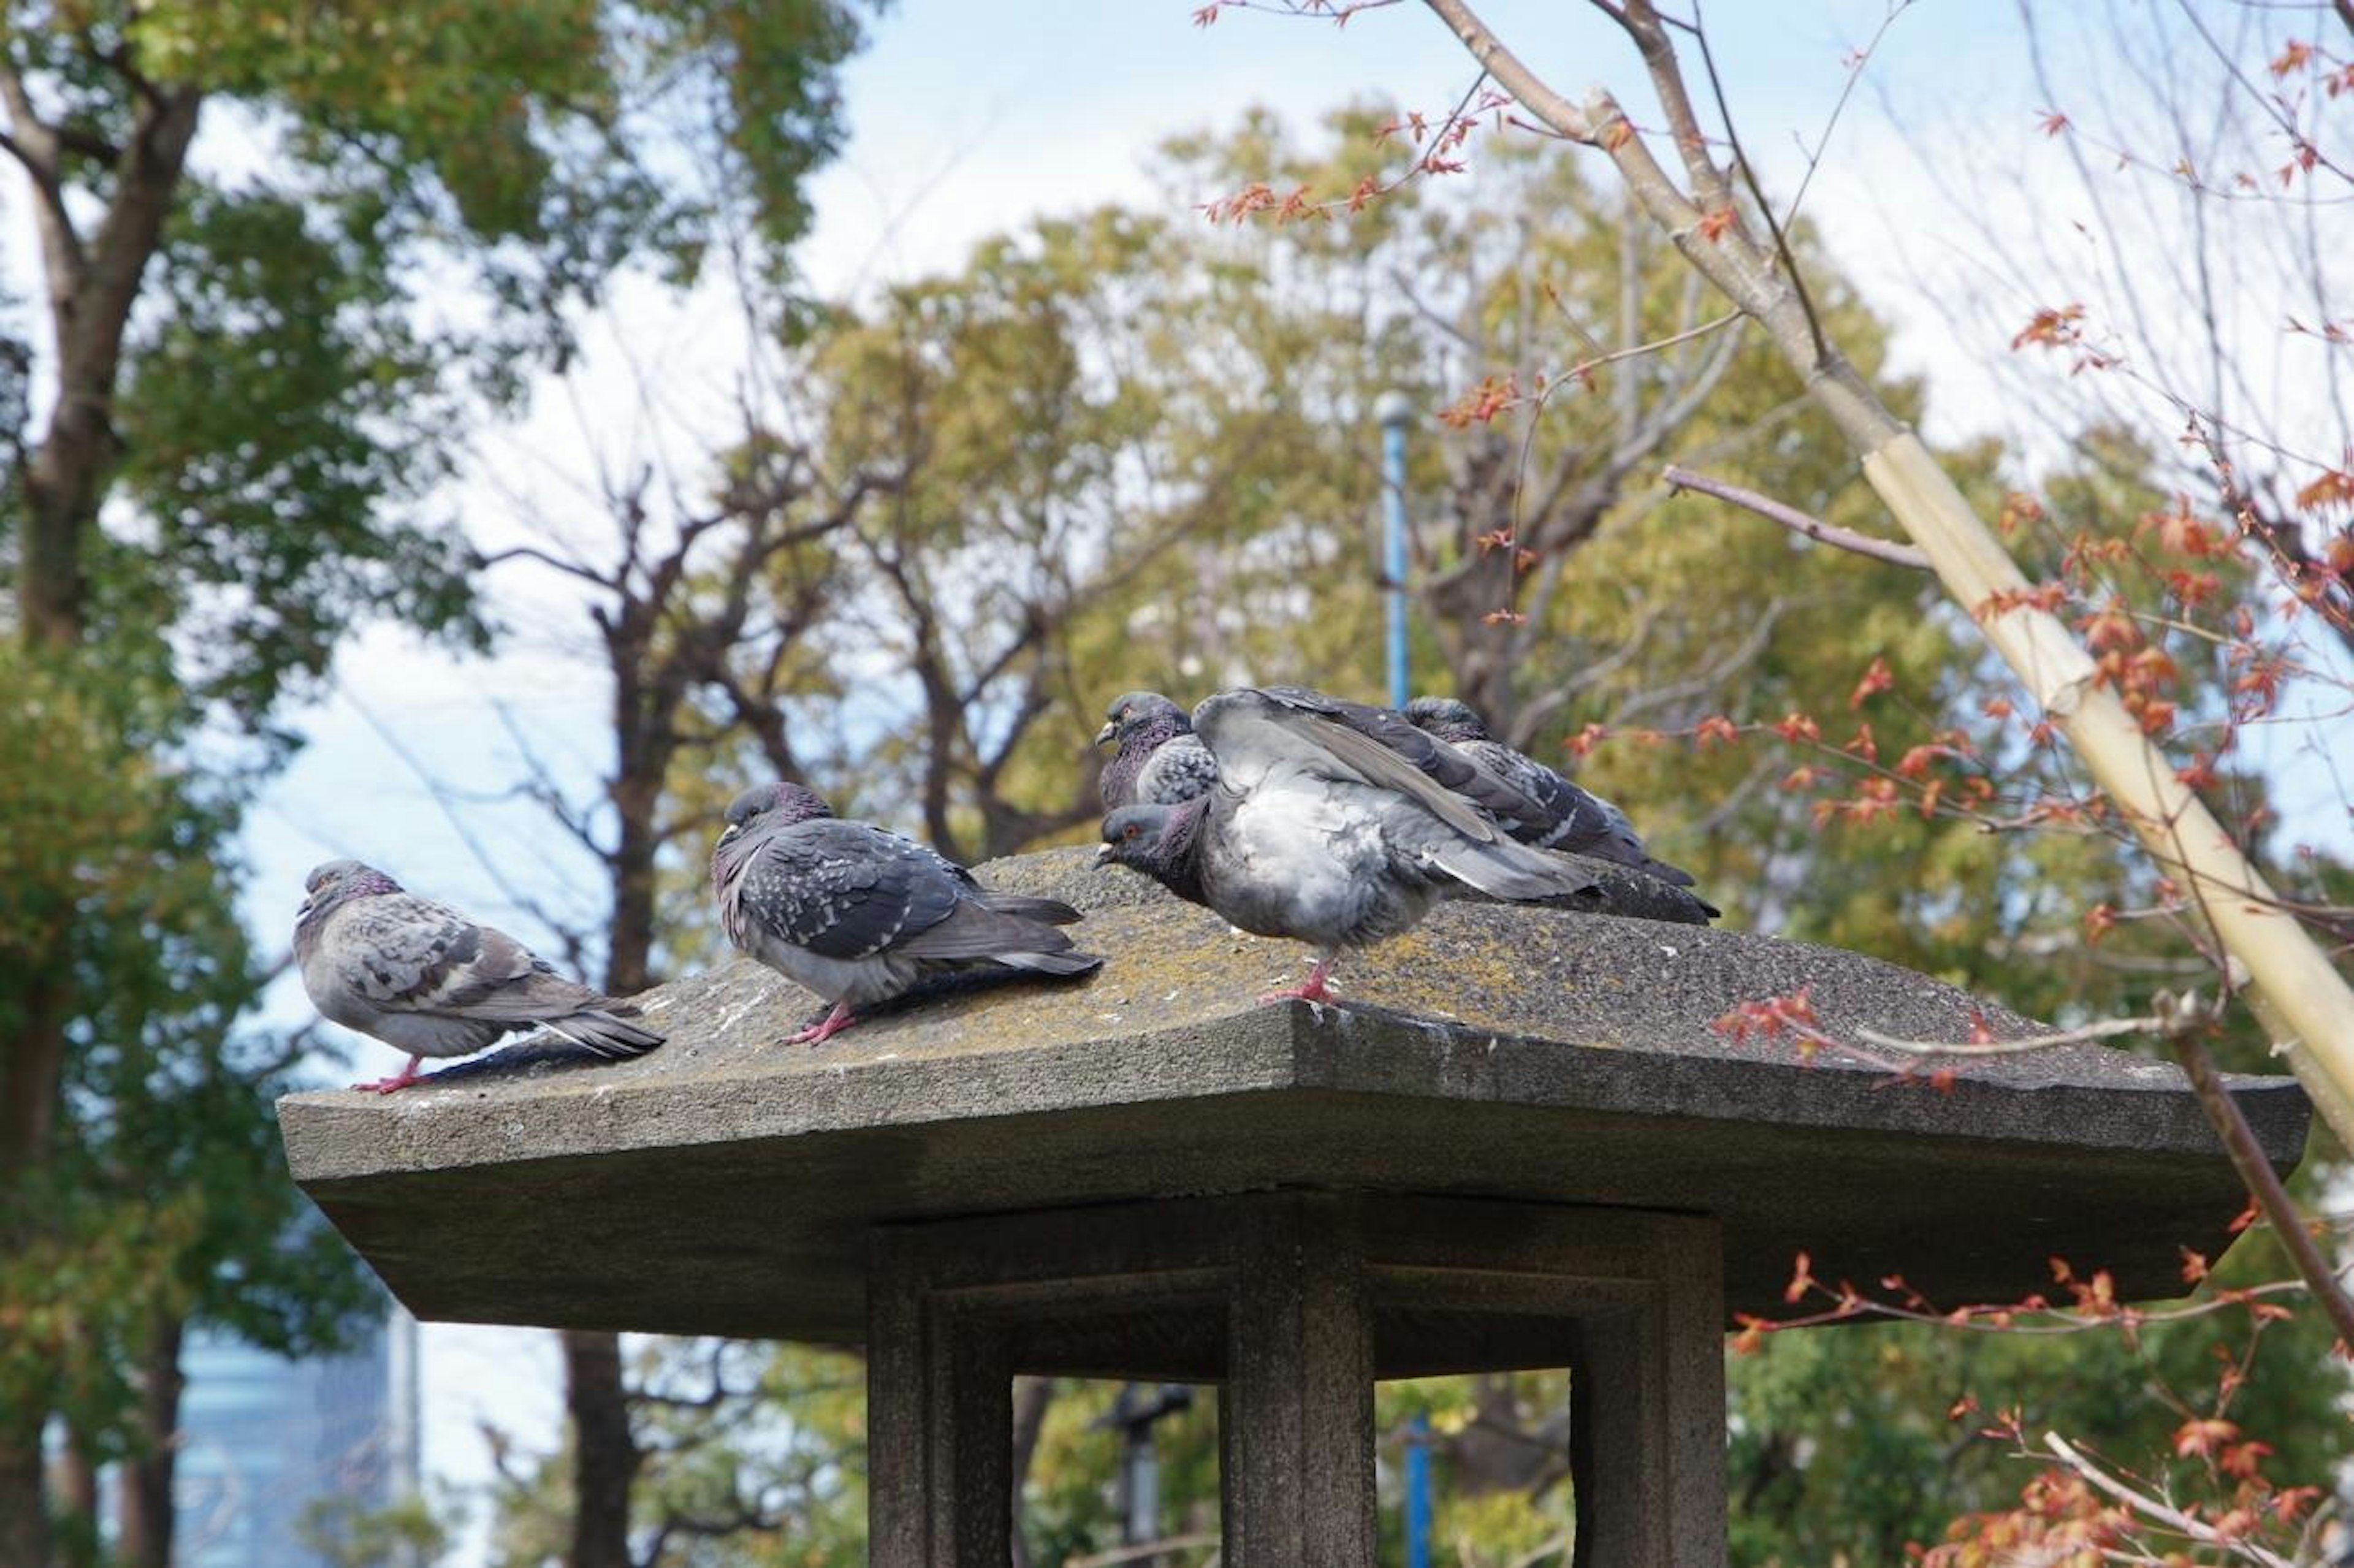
point(844, 890)
point(1178, 770)
point(860, 915)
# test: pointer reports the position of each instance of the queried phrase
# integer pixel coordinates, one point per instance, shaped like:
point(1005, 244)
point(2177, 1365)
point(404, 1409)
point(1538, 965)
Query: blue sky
point(967, 118)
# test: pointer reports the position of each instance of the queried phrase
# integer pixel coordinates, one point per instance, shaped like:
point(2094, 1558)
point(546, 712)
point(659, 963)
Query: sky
point(967, 119)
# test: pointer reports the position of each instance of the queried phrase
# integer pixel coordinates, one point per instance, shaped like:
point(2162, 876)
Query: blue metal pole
point(1396, 413)
point(1418, 1494)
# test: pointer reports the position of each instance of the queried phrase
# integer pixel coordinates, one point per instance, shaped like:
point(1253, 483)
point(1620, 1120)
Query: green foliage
point(167, 1197)
point(1070, 1506)
point(408, 1534)
point(754, 1459)
point(1850, 1444)
point(282, 516)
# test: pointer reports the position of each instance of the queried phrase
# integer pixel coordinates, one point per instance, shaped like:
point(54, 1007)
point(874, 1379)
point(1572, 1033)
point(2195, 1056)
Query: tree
point(702, 606)
point(175, 556)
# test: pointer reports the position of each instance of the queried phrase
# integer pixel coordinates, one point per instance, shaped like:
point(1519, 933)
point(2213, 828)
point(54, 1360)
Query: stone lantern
point(1521, 1144)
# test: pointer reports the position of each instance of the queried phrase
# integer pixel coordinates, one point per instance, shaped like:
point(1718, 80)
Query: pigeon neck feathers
point(778, 805)
point(1141, 723)
point(1162, 842)
point(336, 883)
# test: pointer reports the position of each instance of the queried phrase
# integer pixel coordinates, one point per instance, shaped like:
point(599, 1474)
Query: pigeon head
point(335, 882)
point(1450, 718)
point(778, 805)
point(1134, 713)
point(1159, 841)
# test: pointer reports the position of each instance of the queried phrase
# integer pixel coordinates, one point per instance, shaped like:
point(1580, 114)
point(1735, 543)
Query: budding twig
point(2159, 1512)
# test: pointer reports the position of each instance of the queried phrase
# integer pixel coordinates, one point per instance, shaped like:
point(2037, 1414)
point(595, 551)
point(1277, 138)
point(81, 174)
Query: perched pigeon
point(1332, 822)
point(1160, 759)
point(860, 915)
point(1573, 819)
point(422, 978)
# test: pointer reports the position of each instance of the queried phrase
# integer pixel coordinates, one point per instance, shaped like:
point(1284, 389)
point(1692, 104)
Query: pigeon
point(422, 978)
point(860, 915)
point(1334, 823)
point(1160, 758)
point(1574, 819)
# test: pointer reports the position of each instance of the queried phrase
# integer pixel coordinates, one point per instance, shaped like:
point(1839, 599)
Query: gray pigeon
point(1160, 759)
point(424, 978)
point(860, 915)
point(1573, 818)
point(1334, 823)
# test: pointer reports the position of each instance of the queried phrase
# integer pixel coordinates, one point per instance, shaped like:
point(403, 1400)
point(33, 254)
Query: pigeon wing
point(847, 890)
point(1179, 770)
point(1371, 744)
point(402, 954)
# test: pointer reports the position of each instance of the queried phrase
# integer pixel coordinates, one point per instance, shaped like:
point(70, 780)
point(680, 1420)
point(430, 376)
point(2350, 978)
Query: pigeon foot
point(825, 1029)
point(1316, 991)
point(400, 1080)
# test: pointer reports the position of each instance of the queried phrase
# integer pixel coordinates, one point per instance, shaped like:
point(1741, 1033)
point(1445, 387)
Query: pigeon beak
point(731, 831)
point(1104, 737)
point(1103, 854)
point(303, 910)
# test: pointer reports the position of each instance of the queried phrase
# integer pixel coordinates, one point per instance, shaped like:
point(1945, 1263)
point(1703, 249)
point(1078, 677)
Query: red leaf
point(1877, 679)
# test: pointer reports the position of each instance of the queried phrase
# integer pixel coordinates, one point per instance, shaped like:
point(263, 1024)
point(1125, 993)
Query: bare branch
point(586, 573)
point(2264, 1184)
point(1797, 522)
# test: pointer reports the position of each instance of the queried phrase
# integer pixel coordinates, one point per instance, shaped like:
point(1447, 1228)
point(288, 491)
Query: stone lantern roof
point(729, 1183)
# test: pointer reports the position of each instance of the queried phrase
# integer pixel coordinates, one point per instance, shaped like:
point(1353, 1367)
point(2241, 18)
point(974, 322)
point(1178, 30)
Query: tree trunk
point(605, 1452)
point(628, 954)
point(76, 1526)
point(24, 1511)
point(1033, 1396)
point(31, 1062)
point(145, 1509)
point(92, 289)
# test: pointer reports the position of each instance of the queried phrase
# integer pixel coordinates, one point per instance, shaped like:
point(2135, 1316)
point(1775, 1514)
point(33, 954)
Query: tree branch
point(2158, 1512)
point(2264, 1185)
point(1797, 522)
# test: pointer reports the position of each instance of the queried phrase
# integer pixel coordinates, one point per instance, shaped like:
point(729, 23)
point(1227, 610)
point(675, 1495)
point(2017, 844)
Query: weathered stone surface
point(726, 1183)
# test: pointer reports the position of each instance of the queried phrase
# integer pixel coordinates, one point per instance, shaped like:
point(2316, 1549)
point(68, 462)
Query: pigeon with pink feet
point(424, 978)
point(860, 915)
point(1333, 824)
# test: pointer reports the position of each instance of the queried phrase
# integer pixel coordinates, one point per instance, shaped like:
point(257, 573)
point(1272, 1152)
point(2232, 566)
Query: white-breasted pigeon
point(1161, 760)
point(1575, 818)
point(860, 915)
point(1333, 824)
point(423, 978)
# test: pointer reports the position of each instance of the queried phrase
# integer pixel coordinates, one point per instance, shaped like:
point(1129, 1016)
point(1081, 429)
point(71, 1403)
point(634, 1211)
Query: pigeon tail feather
point(1068, 962)
point(606, 1034)
point(1053, 911)
point(1511, 871)
point(975, 930)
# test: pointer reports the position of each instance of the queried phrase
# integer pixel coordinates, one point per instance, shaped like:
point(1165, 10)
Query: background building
point(266, 1436)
